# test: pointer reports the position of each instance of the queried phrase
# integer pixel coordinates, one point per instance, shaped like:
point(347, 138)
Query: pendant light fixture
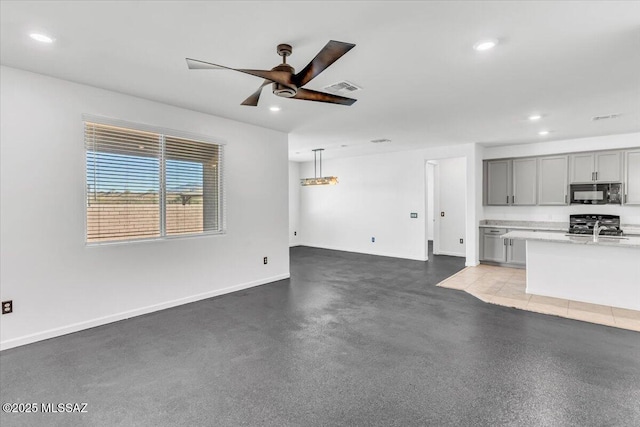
point(322, 180)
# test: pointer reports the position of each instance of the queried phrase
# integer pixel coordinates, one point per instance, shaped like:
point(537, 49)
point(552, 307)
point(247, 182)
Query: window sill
point(155, 239)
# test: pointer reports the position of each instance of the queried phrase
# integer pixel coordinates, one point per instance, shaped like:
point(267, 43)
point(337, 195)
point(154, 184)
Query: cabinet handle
point(592, 178)
point(565, 199)
point(513, 199)
point(510, 242)
point(596, 176)
point(507, 199)
point(505, 241)
point(494, 231)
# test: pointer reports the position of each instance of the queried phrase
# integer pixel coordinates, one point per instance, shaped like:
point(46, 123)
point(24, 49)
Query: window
point(143, 185)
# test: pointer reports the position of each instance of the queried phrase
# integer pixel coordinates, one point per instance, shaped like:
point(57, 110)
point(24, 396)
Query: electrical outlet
point(414, 214)
point(373, 240)
point(295, 233)
point(265, 260)
point(461, 241)
point(7, 307)
point(441, 213)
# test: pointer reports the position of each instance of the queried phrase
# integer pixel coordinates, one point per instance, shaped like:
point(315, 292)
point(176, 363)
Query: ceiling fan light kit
point(322, 180)
point(285, 83)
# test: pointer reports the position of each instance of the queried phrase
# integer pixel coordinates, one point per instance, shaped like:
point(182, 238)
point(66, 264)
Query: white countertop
point(525, 225)
point(627, 241)
point(628, 229)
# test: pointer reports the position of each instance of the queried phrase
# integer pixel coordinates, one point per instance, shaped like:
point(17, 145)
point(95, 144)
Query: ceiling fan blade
point(327, 56)
point(255, 97)
point(195, 64)
point(281, 77)
point(312, 95)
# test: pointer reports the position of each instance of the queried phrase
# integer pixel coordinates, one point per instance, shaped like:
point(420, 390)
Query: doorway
point(446, 206)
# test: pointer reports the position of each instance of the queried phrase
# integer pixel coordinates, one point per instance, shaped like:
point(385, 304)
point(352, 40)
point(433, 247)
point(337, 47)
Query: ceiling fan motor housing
point(279, 89)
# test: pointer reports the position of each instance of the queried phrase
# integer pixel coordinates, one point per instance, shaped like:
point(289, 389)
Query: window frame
point(162, 134)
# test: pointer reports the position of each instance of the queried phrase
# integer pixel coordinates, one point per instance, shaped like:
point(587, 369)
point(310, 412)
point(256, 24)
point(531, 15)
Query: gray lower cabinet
point(517, 252)
point(502, 251)
point(493, 247)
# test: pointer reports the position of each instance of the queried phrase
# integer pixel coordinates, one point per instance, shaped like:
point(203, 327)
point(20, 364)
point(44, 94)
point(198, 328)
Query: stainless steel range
point(584, 224)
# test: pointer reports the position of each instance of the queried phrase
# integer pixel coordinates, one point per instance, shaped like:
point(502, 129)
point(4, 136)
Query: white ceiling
point(423, 84)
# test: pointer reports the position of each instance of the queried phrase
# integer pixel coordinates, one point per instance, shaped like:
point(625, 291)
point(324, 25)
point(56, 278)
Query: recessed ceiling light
point(274, 108)
point(543, 132)
point(344, 145)
point(41, 38)
point(485, 45)
point(535, 117)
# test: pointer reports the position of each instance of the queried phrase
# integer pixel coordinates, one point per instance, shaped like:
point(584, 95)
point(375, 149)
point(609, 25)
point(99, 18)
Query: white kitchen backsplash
point(628, 214)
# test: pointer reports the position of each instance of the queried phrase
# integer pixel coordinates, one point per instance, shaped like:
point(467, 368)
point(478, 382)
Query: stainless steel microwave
point(596, 194)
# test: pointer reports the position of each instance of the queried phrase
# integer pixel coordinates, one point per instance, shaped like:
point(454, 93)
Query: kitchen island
point(574, 267)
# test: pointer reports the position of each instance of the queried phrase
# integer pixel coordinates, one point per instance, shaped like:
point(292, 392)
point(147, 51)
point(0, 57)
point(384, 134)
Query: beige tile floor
point(506, 286)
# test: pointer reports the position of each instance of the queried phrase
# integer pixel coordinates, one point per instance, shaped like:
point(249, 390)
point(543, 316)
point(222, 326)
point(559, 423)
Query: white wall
point(628, 214)
point(57, 283)
point(450, 192)
point(608, 142)
point(374, 198)
point(294, 203)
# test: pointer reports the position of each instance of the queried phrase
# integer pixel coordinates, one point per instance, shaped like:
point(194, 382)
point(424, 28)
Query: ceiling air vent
point(608, 116)
point(342, 88)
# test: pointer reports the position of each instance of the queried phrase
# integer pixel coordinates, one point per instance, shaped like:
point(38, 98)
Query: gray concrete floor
point(349, 340)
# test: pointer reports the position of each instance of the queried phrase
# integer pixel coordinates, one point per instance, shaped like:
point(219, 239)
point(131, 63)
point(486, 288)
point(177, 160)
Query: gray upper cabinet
point(524, 181)
point(632, 177)
point(552, 180)
point(596, 167)
point(545, 181)
point(582, 167)
point(608, 166)
point(498, 182)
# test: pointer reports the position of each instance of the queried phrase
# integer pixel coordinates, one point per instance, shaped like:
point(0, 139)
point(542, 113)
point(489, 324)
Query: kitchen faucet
point(596, 230)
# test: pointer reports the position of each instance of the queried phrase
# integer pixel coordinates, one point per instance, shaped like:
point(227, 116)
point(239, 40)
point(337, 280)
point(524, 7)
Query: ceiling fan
point(287, 84)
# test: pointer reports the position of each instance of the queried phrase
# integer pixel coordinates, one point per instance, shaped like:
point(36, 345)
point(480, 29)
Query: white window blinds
point(143, 185)
point(192, 186)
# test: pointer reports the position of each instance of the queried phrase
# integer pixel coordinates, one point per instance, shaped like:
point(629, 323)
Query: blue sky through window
point(109, 172)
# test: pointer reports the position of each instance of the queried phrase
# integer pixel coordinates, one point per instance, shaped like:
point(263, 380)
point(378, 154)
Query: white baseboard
point(450, 254)
point(387, 254)
point(75, 327)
